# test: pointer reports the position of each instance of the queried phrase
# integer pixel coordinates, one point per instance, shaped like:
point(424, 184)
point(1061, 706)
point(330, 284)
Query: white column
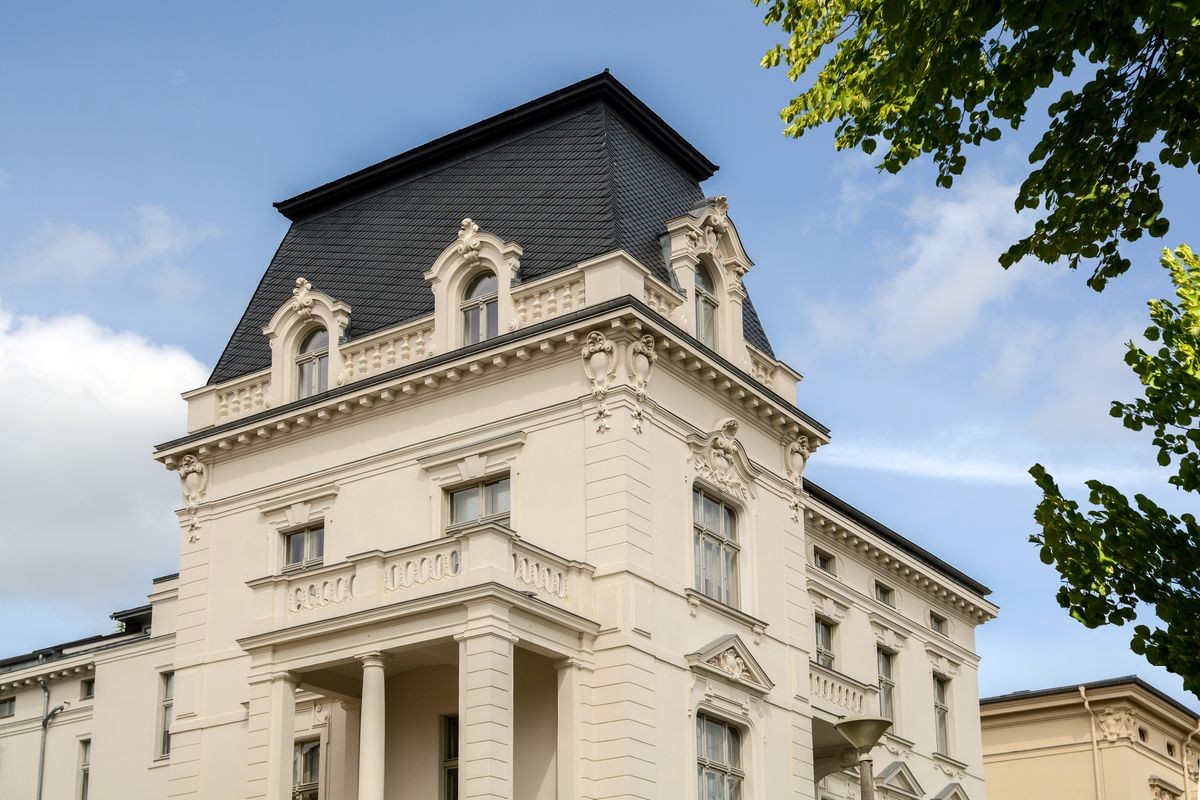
point(371, 729)
point(282, 733)
point(569, 752)
point(485, 715)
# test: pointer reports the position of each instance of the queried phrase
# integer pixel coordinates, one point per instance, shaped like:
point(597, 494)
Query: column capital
point(372, 659)
point(571, 662)
point(283, 676)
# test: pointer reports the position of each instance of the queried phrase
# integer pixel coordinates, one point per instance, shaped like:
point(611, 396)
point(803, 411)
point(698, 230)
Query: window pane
point(730, 529)
point(310, 770)
point(714, 785)
point(295, 548)
point(939, 690)
point(492, 322)
point(710, 567)
point(712, 514)
point(714, 737)
point(452, 783)
point(471, 325)
point(451, 738)
point(729, 576)
point(169, 686)
point(699, 538)
point(735, 788)
point(323, 374)
point(886, 701)
point(482, 286)
point(304, 381)
point(498, 497)
point(885, 663)
point(735, 746)
point(465, 505)
point(316, 543)
point(703, 279)
point(317, 340)
point(696, 505)
point(707, 323)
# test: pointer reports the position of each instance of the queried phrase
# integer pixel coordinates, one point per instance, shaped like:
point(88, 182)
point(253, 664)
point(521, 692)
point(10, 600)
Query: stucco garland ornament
point(468, 241)
point(731, 664)
point(718, 461)
point(193, 480)
point(599, 365)
point(302, 301)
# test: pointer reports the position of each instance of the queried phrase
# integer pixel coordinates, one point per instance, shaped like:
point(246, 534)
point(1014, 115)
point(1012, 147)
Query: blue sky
point(141, 146)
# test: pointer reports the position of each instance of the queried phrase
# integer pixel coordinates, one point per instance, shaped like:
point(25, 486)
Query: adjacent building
point(1118, 739)
point(497, 491)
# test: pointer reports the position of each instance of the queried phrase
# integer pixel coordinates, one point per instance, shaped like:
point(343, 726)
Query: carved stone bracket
point(795, 459)
point(193, 481)
point(1116, 723)
point(468, 242)
point(599, 365)
point(643, 355)
point(302, 299)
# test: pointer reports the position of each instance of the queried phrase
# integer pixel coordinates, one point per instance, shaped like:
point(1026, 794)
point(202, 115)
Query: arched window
point(706, 307)
point(479, 309)
point(312, 364)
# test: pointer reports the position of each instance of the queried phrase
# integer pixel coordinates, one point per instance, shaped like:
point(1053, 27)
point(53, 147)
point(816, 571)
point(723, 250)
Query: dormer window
point(706, 307)
point(480, 310)
point(312, 364)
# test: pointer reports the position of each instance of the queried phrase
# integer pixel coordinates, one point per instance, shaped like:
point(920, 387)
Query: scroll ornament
point(193, 479)
point(599, 365)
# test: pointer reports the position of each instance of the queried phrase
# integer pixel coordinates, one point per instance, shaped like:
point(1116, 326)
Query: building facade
point(497, 491)
point(1119, 739)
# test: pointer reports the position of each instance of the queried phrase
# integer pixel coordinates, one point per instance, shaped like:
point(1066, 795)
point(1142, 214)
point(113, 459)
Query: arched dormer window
point(312, 364)
point(480, 308)
point(706, 307)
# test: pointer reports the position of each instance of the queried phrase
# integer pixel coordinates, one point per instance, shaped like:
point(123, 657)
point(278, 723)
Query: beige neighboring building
point(497, 491)
point(1119, 739)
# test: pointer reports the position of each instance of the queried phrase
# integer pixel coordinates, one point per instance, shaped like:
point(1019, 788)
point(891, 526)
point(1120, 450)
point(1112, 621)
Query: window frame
point(316, 357)
point(497, 517)
point(489, 324)
point(939, 624)
point(884, 593)
point(732, 773)
point(87, 688)
point(309, 561)
point(823, 653)
point(85, 767)
point(166, 714)
point(301, 790)
point(11, 703)
point(887, 683)
point(941, 714)
point(706, 297)
point(450, 752)
point(819, 554)
point(727, 549)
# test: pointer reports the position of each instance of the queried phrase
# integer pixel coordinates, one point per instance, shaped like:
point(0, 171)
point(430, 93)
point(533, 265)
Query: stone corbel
point(193, 482)
point(643, 355)
point(795, 459)
point(599, 365)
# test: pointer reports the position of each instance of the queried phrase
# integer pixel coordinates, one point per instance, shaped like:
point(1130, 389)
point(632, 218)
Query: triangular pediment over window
point(897, 780)
point(954, 791)
point(729, 659)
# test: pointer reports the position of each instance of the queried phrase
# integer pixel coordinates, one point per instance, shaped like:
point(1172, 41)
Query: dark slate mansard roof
point(578, 173)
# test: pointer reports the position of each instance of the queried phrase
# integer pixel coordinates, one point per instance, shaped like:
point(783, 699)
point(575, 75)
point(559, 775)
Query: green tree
point(939, 75)
point(1119, 555)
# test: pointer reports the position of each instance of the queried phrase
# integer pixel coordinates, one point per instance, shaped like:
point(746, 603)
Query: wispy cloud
point(74, 256)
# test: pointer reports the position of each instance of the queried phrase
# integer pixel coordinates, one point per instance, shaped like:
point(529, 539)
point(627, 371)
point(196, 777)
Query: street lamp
point(864, 733)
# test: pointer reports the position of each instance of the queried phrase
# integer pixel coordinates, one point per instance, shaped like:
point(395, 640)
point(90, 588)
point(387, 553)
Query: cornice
point(919, 577)
point(621, 316)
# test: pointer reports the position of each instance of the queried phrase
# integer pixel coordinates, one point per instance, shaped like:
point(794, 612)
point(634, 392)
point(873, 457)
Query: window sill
point(160, 761)
point(898, 741)
point(696, 599)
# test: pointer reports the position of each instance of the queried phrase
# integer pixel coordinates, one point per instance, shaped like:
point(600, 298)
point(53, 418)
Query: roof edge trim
point(598, 87)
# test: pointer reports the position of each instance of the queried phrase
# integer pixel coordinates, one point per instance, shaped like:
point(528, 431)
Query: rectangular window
point(8, 707)
point(166, 714)
point(716, 548)
point(489, 501)
point(450, 758)
point(824, 561)
point(824, 634)
point(885, 594)
point(306, 770)
point(719, 774)
point(887, 683)
point(85, 767)
point(87, 688)
point(304, 549)
point(941, 714)
point(937, 623)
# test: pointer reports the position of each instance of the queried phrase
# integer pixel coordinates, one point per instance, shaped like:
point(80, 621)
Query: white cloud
point(939, 284)
point(75, 256)
point(87, 513)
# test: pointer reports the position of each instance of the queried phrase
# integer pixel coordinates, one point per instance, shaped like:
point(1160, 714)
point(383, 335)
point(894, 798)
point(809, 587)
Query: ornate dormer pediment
point(307, 310)
point(897, 780)
point(719, 459)
point(953, 791)
point(729, 659)
point(708, 232)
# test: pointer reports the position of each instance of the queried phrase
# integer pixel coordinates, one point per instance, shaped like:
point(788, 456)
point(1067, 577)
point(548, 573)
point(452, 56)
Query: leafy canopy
point(1118, 554)
point(933, 76)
